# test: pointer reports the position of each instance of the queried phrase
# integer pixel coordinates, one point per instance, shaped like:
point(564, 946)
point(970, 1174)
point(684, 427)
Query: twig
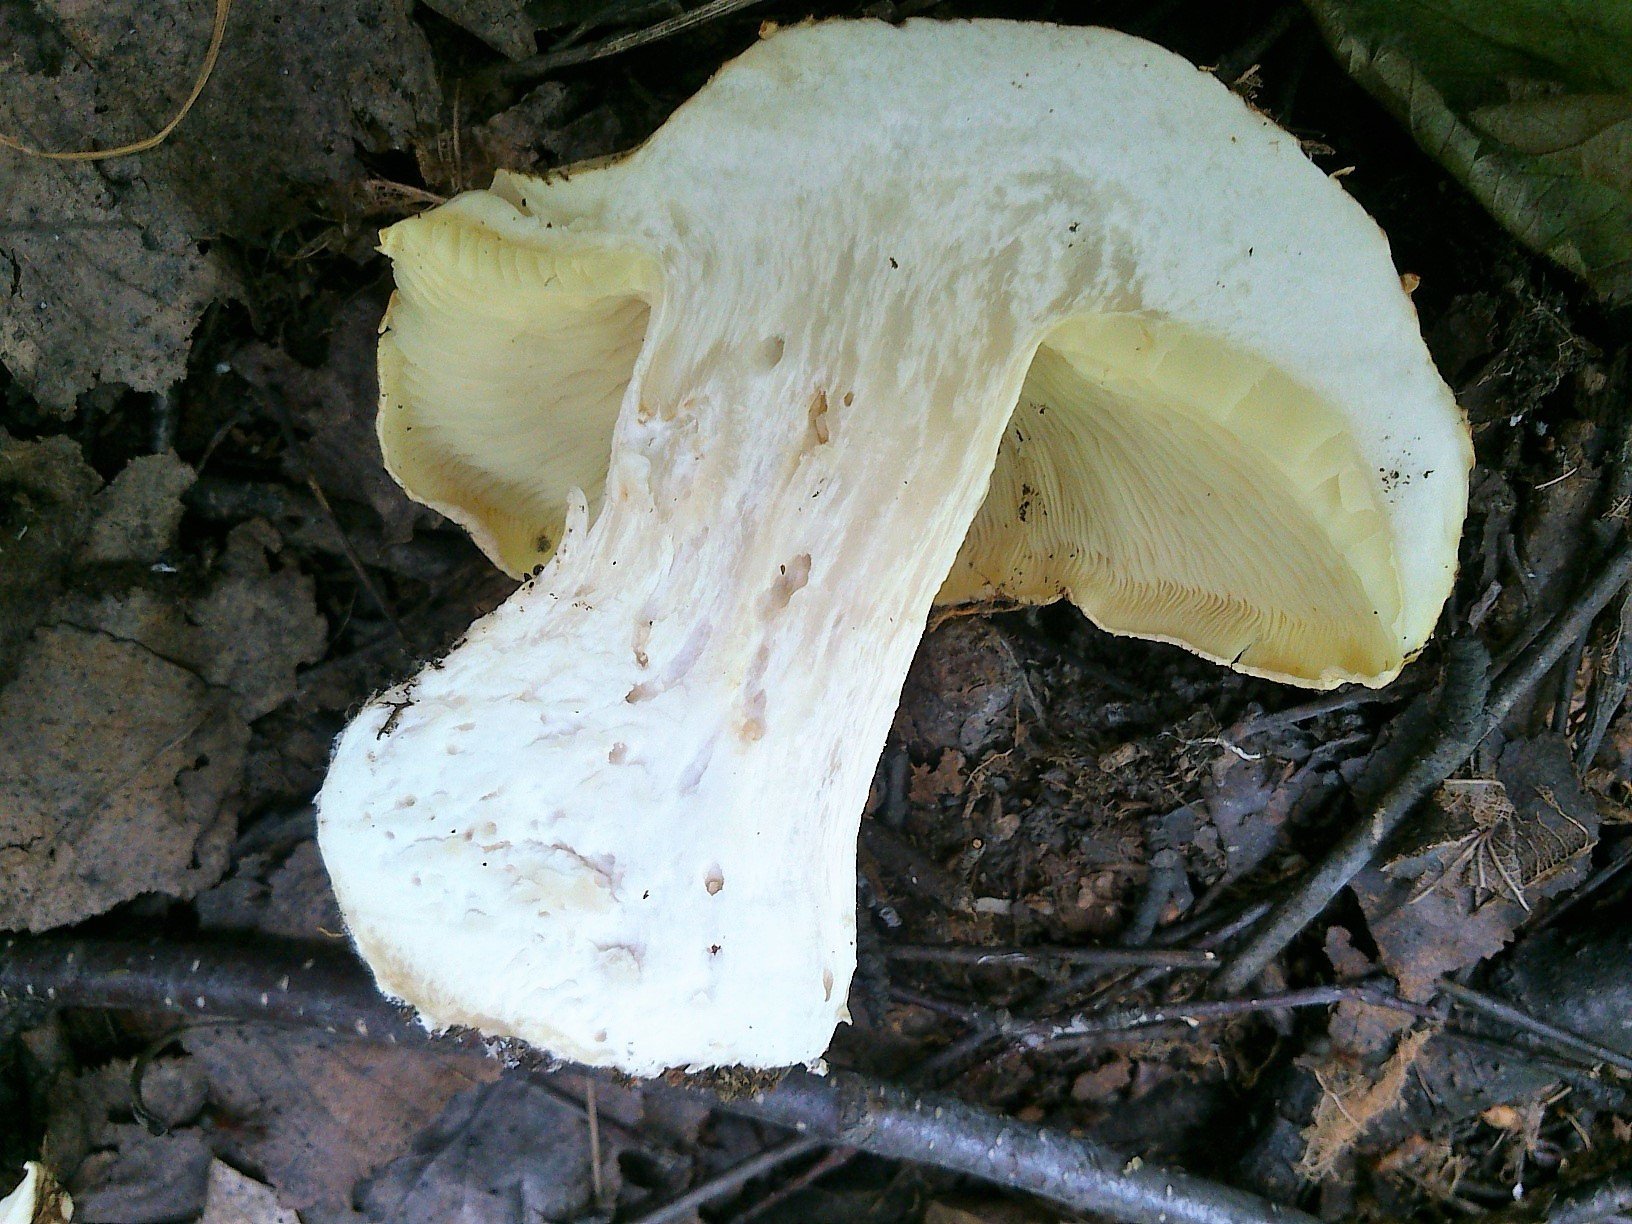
point(1065, 1033)
point(729, 1182)
point(1497, 1009)
point(1327, 703)
point(1466, 715)
point(324, 988)
point(596, 1182)
point(889, 1121)
point(1608, 689)
point(1045, 955)
point(941, 1067)
point(1569, 669)
point(1618, 862)
point(837, 1158)
point(536, 67)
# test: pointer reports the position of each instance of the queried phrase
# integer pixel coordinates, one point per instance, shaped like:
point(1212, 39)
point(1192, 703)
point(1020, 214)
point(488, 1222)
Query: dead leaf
point(118, 1171)
point(501, 1153)
point(945, 780)
point(516, 139)
point(106, 267)
point(247, 633)
point(1350, 1099)
point(1487, 849)
point(232, 1198)
point(1104, 1081)
point(333, 407)
point(501, 24)
point(101, 279)
point(115, 772)
point(292, 899)
point(45, 493)
point(135, 519)
point(314, 1114)
point(1358, 1030)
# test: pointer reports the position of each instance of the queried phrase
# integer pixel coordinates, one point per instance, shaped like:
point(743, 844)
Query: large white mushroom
point(977, 309)
point(38, 1199)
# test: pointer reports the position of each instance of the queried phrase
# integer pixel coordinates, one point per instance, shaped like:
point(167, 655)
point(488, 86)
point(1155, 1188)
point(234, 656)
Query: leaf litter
point(226, 562)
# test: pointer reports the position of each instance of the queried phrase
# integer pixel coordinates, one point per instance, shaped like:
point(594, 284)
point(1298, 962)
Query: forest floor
point(203, 568)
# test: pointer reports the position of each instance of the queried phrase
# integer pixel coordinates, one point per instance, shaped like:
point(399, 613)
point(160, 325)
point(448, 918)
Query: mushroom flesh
point(884, 314)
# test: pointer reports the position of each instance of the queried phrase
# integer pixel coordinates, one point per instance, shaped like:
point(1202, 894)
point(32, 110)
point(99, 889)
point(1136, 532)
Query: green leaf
point(1527, 102)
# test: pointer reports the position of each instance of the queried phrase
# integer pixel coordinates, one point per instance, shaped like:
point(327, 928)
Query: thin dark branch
point(1619, 860)
point(835, 1159)
point(890, 1121)
point(323, 987)
point(1063, 1033)
point(729, 1182)
point(1569, 670)
point(1498, 1009)
point(1045, 955)
point(1566, 628)
point(1466, 715)
point(1337, 700)
point(945, 1065)
point(1608, 688)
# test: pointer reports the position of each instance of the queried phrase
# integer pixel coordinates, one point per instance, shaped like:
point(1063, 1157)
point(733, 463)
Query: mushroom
point(38, 1199)
point(976, 309)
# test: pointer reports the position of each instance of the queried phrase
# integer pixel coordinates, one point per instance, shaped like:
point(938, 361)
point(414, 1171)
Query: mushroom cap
point(1230, 435)
point(862, 268)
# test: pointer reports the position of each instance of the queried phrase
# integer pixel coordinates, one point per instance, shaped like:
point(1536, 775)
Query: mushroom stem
point(773, 353)
point(641, 779)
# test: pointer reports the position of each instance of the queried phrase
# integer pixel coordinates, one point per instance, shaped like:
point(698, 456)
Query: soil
point(204, 568)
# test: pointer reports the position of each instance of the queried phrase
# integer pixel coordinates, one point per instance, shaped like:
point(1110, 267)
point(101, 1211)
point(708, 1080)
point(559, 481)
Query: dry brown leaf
point(101, 278)
point(929, 786)
point(45, 495)
point(314, 1115)
point(116, 1168)
point(1486, 850)
point(1350, 1100)
point(499, 1153)
point(115, 770)
point(106, 267)
point(135, 519)
point(246, 634)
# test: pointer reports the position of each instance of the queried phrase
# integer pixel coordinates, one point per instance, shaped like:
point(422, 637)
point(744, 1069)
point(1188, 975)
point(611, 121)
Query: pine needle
point(217, 34)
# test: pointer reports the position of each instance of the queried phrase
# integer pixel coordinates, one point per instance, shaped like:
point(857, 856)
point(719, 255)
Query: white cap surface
point(780, 347)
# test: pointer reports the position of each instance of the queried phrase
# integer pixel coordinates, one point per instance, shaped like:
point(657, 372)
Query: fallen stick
point(326, 988)
point(1467, 713)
